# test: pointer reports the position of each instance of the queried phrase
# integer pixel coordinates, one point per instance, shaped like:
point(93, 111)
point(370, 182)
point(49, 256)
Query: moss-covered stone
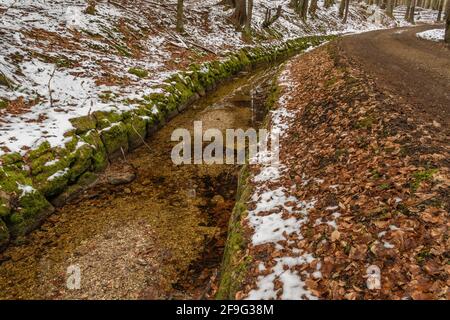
point(115, 139)
point(53, 180)
point(105, 119)
point(85, 181)
point(137, 131)
point(235, 263)
point(11, 159)
point(33, 208)
point(84, 124)
point(11, 177)
point(99, 155)
point(43, 148)
point(82, 161)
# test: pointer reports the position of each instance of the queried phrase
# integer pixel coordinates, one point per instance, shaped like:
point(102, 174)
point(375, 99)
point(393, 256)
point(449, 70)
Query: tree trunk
point(341, 8)
point(269, 19)
point(248, 21)
point(347, 4)
point(412, 11)
point(408, 8)
point(239, 16)
point(328, 3)
point(440, 6)
point(390, 8)
point(313, 8)
point(305, 10)
point(180, 14)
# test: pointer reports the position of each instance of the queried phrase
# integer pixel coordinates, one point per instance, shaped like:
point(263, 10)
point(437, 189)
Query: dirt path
point(413, 69)
point(369, 155)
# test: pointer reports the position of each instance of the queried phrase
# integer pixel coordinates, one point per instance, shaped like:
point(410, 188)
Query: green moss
point(11, 177)
point(4, 104)
point(235, 263)
point(105, 119)
point(137, 131)
point(141, 73)
point(115, 139)
point(123, 50)
point(84, 124)
point(180, 93)
point(365, 123)
point(32, 210)
point(63, 62)
point(82, 161)
point(99, 156)
point(384, 186)
point(11, 158)
point(423, 256)
point(422, 176)
point(52, 180)
point(38, 165)
point(42, 149)
point(72, 191)
point(106, 96)
point(87, 179)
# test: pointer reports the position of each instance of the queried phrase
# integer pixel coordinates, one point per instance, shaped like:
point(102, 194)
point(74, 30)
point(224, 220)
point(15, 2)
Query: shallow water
point(158, 237)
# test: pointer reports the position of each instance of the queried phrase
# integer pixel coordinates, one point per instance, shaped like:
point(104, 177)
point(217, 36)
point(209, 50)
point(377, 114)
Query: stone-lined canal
point(160, 236)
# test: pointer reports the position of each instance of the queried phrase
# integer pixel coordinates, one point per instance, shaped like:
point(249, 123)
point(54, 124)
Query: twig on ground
point(143, 140)
point(49, 87)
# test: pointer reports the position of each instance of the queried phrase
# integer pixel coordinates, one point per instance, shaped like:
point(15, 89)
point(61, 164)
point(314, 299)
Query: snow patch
point(433, 35)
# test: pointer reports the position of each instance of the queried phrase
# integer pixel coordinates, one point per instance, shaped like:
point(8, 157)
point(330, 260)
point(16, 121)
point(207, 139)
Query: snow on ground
point(420, 16)
point(433, 35)
point(61, 62)
point(277, 215)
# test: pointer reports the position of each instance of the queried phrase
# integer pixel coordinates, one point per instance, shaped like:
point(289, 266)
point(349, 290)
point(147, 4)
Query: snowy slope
point(59, 61)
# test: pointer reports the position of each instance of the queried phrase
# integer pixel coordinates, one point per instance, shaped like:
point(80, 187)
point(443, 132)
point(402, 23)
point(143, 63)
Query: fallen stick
point(49, 87)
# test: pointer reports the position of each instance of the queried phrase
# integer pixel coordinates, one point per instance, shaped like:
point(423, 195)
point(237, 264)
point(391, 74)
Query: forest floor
point(363, 187)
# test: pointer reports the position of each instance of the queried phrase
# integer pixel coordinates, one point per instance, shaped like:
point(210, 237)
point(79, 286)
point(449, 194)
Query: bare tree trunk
point(305, 10)
point(341, 8)
point(313, 8)
point(328, 3)
point(180, 14)
point(412, 11)
point(248, 21)
point(301, 7)
point(440, 7)
point(390, 8)
point(408, 8)
point(269, 19)
point(347, 4)
point(239, 16)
